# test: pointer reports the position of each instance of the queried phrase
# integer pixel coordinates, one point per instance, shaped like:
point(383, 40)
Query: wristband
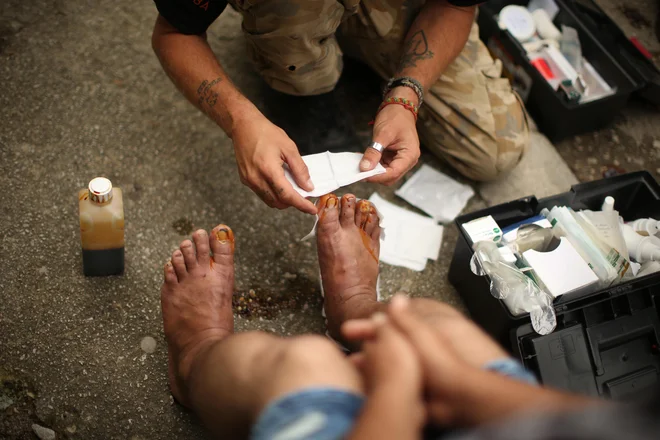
point(407, 104)
point(406, 81)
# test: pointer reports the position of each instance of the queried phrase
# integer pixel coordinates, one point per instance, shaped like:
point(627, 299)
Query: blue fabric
point(314, 413)
point(330, 413)
point(513, 369)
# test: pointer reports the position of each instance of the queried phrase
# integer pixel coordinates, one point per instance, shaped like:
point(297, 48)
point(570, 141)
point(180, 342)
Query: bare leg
point(228, 379)
point(348, 237)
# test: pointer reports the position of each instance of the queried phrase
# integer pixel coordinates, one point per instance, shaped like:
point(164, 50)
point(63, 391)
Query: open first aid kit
point(570, 284)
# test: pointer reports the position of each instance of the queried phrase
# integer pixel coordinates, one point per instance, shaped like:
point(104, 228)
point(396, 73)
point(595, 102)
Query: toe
point(372, 222)
point(362, 211)
point(222, 245)
point(328, 212)
point(201, 239)
point(179, 265)
point(188, 254)
point(347, 215)
point(170, 275)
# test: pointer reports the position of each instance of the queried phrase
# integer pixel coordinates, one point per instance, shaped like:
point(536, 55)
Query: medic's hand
point(395, 129)
point(261, 149)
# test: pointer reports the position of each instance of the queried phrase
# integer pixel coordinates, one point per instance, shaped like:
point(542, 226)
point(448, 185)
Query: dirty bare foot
point(348, 238)
point(196, 301)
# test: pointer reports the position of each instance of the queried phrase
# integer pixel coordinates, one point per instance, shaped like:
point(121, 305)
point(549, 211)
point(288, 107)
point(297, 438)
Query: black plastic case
point(606, 342)
point(606, 47)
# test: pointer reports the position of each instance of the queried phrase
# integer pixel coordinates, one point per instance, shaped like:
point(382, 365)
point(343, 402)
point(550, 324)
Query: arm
point(485, 397)
point(260, 147)
point(434, 40)
point(389, 413)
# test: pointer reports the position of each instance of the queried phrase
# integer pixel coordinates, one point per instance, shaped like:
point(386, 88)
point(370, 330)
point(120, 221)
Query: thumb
point(372, 156)
point(299, 170)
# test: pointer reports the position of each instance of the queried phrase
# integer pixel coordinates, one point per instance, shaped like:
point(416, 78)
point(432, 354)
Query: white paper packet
point(438, 195)
point(411, 238)
point(330, 171)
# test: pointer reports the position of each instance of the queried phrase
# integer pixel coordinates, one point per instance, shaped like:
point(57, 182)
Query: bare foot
point(196, 301)
point(348, 238)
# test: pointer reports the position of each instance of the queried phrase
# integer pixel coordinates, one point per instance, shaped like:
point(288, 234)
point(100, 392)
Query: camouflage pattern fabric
point(471, 117)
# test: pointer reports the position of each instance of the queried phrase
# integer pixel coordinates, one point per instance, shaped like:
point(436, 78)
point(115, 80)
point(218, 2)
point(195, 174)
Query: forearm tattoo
point(206, 95)
point(416, 48)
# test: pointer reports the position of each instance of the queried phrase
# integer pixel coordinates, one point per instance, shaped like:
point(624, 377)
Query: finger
point(286, 195)
point(419, 335)
point(400, 165)
point(299, 170)
point(358, 360)
point(359, 329)
point(370, 158)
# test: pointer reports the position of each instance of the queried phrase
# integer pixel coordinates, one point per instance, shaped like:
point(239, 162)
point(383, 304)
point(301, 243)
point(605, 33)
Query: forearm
point(191, 65)
point(489, 397)
point(435, 39)
point(389, 414)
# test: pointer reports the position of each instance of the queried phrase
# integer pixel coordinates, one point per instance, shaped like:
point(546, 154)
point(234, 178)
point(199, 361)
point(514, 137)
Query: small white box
point(562, 270)
point(484, 228)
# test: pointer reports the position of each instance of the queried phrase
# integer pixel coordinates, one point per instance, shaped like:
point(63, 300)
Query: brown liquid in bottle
point(102, 228)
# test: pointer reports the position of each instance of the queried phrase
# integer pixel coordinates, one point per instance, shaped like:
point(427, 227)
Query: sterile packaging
point(330, 171)
point(411, 239)
point(565, 225)
point(436, 194)
point(518, 291)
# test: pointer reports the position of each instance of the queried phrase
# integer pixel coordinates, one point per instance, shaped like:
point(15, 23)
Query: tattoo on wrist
point(415, 49)
point(206, 95)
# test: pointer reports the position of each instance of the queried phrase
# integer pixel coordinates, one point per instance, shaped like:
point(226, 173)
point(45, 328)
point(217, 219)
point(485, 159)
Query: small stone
point(148, 344)
point(43, 433)
point(615, 138)
point(5, 402)
point(592, 161)
point(71, 429)
point(252, 293)
point(290, 276)
point(657, 170)
point(656, 144)
point(615, 162)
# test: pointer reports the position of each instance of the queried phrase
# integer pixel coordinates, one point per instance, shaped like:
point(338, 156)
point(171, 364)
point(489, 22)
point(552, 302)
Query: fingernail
point(379, 318)
point(310, 185)
point(365, 164)
point(400, 302)
point(331, 203)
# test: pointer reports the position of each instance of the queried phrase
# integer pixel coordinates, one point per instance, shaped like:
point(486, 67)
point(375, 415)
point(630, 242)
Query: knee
point(504, 152)
point(309, 351)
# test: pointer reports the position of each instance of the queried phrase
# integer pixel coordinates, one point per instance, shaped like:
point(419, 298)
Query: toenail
point(364, 207)
point(177, 253)
point(222, 235)
point(331, 203)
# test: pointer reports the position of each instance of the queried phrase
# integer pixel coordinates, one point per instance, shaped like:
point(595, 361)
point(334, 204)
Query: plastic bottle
point(641, 248)
point(648, 225)
point(101, 210)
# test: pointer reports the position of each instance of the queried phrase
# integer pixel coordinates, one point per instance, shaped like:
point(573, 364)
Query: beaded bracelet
point(407, 104)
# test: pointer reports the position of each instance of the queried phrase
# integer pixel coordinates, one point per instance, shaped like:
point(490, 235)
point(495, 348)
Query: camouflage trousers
point(471, 117)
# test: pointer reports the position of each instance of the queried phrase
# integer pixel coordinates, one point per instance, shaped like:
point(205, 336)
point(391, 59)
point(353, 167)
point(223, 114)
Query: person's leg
point(229, 379)
point(471, 117)
point(292, 42)
point(348, 239)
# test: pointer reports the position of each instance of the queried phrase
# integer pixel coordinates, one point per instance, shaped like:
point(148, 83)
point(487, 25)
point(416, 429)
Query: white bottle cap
point(100, 190)
point(518, 21)
point(608, 204)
